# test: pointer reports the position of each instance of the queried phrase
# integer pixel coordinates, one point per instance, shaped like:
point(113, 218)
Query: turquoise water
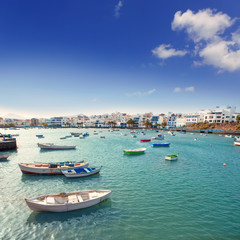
point(195, 197)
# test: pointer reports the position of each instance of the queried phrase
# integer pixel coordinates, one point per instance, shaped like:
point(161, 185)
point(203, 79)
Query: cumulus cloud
point(211, 46)
point(117, 9)
point(203, 25)
point(187, 89)
point(140, 94)
point(177, 89)
point(165, 51)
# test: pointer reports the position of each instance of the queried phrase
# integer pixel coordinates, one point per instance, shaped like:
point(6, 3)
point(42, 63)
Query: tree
point(44, 124)
point(131, 122)
point(238, 119)
point(148, 124)
point(164, 124)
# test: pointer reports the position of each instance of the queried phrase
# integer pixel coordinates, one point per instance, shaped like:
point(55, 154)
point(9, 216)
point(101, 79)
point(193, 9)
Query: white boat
point(236, 143)
point(50, 168)
point(4, 156)
point(64, 202)
point(171, 157)
point(123, 134)
point(81, 172)
point(228, 136)
point(51, 146)
point(133, 136)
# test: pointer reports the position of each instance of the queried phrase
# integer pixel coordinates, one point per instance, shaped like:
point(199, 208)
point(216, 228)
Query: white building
point(58, 121)
point(221, 115)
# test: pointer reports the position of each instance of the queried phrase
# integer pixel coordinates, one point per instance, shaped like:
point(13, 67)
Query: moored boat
point(160, 144)
point(145, 140)
point(81, 172)
point(133, 136)
point(237, 143)
point(134, 151)
point(50, 168)
point(171, 157)
point(4, 156)
point(64, 202)
point(39, 136)
point(51, 146)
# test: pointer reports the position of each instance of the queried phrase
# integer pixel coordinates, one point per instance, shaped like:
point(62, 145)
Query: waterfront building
point(221, 115)
point(181, 121)
point(34, 122)
point(56, 121)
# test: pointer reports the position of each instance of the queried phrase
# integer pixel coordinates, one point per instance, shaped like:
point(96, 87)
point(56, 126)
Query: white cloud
point(187, 89)
point(177, 89)
point(117, 9)
point(224, 55)
point(203, 25)
point(206, 28)
point(140, 94)
point(165, 51)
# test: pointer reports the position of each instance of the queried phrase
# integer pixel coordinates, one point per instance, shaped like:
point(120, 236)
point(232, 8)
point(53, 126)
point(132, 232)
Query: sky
point(60, 58)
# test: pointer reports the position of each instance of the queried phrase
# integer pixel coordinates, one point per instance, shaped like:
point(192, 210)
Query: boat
point(81, 172)
point(81, 137)
point(157, 138)
point(40, 136)
point(74, 133)
point(160, 144)
point(145, 140)
point(160, 136)
point(63, 137)
point(134, 151)
point(95, 133)
point(64, 202)
point(133, 131)
point(171, 157)
point(51, 146)
point(85, 134)
point(237, 139)
point(4, 156)
point(123, 134)
point(228, 136)
point(50, 168)
point(133, 136)
point(237, 143)
point(102, 136)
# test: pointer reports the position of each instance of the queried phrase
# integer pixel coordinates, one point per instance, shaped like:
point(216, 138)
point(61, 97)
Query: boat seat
point(93, 195)
point(50, 200)
point(79, 198)
point(72, 199)
point(60, 200)
point(86, 170)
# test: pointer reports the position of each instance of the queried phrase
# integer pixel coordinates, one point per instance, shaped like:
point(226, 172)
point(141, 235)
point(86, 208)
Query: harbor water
point(195, 197)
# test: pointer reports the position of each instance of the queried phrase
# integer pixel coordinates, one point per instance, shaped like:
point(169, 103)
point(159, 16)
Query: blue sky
point(69, 57)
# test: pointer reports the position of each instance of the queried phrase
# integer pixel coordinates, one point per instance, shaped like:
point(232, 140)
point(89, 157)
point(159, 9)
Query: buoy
point(224, 164)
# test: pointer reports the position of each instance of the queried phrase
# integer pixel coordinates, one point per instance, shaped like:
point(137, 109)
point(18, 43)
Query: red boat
point(145, 140)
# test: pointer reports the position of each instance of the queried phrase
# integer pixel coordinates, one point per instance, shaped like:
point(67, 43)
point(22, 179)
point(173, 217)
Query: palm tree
point(148, 124)
point(131, 122)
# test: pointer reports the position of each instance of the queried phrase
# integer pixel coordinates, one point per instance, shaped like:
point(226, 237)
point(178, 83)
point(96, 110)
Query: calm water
point(192, 198)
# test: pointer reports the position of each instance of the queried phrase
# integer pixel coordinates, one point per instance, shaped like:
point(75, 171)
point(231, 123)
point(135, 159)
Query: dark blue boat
point(160, 144)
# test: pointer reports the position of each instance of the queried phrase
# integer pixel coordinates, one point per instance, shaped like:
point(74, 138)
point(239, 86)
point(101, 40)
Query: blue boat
point(160, 144)
point(40, 136)
point(86, 134)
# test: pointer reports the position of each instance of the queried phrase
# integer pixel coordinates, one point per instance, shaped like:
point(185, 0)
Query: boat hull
point(75, 175)
point(237, 143)
point(55, 147)
point(160, 145)
point(4, 156)
point(46, 170)
point(66, 207)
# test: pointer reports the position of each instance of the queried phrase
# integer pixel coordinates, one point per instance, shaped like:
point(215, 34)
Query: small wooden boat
point(160, 144)
point(133, 136)
point(51, 146)
point(102, 136)
point(81, 172)
point(39, 136)
point(145, 140)
point(157, 138)
point(4, 156)
point(50, 168)
point(171, 157)
point(64, 202)
point(134, 151)
point(133, 131)
point(160, 136)
point(63, 137)
point(123, 134)
point(236, 143)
